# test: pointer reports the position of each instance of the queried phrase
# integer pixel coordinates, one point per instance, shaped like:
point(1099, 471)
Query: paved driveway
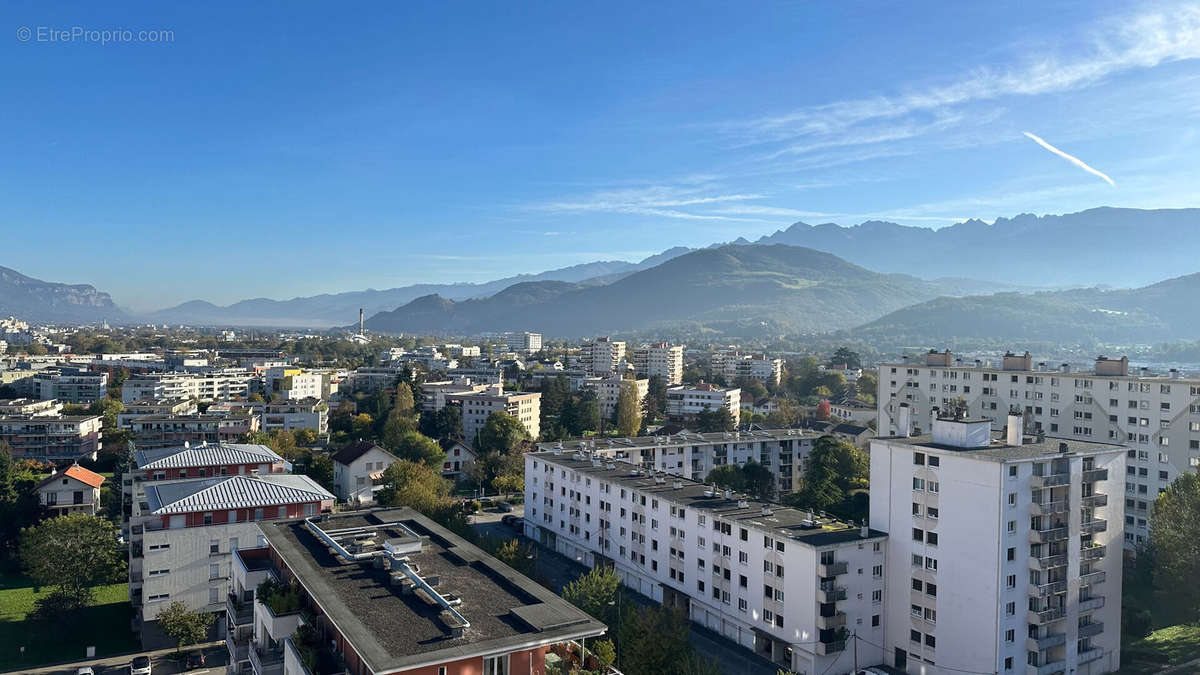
point(215, 655)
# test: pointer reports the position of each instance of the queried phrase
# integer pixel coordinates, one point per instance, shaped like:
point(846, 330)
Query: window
point(495, 665)
point(935, 461)
point(742, 605)
point(1010, 609)
point(918, 484)
point(918, 534)
point(1012, 581)
point(877, 596)
point(914, 635)
point(931, 512)
point(875, 620)
point(931, 590)
point(1012, 553)
point(214, 572)
point(214, 546)
point(931, 538)
point(917, 585)
point(919, 458)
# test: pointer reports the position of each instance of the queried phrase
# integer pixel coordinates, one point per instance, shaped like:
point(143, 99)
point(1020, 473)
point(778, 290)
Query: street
point(556, 570)
point(215, 655)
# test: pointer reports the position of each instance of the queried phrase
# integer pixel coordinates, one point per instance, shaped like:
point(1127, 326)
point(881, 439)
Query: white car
point(140, 665)
point(86, 670)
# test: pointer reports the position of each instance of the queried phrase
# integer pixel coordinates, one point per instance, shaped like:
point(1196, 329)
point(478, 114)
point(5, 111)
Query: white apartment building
point(183, 531)
point(660, 359)
point(1005, 555)
point(149, 407)
point(306, 413)
point(290, 383)
point(212, 386)
point(30, 407)
point(1157, 416)
point(525, 342)
point(602, 356)
point(692, 455)
point(71, 385)
point(433, 394)
point(685, 402)
point(792, 586)
point(608, 392)
point(732, 365)
point(459, 351)
point(476, 407)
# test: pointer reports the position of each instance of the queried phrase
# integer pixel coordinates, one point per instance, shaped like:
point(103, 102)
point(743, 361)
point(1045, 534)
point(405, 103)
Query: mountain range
point(48, 302)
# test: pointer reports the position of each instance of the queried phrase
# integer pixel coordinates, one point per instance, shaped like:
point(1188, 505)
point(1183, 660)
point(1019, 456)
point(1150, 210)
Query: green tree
point(319, 467)
point(413, 484)
point(654, 640)
point(19, 507)
point(758, 480)
point(629, 410)
point(417, 447)
point(443, 424)
point(719, 419)
point(833, 469)
point(655, 403)
point(404, 400)
point(71, 554)
point(508, 483)
point(502, 433)
point(395, 429)
point(306, 436)
point(595, 593)
point(605, 653)
point(726, 476)
point(845, 356)
point(516, 555)
point(1175, 538)
point(183, 625)
point(361, 424)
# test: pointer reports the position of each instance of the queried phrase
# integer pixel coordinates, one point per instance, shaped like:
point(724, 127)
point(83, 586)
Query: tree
point(319, 467)
point(605, 653)
point(19, 507)
point(183, 625)
point(416, 485)
point(396, 428)
point(416, 447)
point(655, 403)
point(629, 410)
point(833, 468)
point(306, 436)
point(502, 433)
point(758, 480)
point(404, 400)
point(720, 419)
point(508, 483)
point(361, 424)
point(1175, 538)
point(595, 593)
point(654, 640)
point(516, 555)
point(71, 554)
point(727, 476)
point(443, 424)
point(847, 357)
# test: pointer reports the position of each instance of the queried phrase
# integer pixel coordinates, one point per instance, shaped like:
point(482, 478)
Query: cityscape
point(761, 339)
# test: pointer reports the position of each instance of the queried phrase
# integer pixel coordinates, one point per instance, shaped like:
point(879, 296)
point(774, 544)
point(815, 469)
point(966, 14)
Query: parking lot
point(162, 663)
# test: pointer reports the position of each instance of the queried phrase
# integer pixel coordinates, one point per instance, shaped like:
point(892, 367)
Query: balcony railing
point(1052, 667)
point(1048, 588)
point(240, 614)
point(1092, 526)
point(1048, 535)
point(1049, 561)
point(1046, 615)
point(826, 648)
point(1047, 508)
point(239, 650)
point(1093, 475)
point(831, 593)
point(1090, 655)
point(836, 620)
point(1090, 629)
point(1092, 578)
point(1094, 602)
point(1095, 500)
point(266, 661)
point(1046, 642)
point(832, 569)
point(1051, 480)
point(1092, 553)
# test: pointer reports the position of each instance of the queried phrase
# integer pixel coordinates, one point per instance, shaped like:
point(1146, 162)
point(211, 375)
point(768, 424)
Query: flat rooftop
point(394, 630)
point(1001, 451)
point(809, 528)
point(687, 438)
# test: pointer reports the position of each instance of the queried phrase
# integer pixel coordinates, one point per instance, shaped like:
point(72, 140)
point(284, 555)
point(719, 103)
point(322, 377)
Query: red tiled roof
point(84, 476)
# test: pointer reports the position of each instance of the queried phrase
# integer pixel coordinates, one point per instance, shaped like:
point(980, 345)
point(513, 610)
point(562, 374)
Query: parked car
point(504, 507)
point(194, 660)
point(140, 665)
point(86, 670)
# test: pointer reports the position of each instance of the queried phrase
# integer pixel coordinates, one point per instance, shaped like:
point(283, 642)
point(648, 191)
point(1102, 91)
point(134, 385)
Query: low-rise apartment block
point(477, 407)
point(155, 407)
point(292, 414)
point(52, 438)
point(71, 385)
point(212, 386)
point(30, 407)
point(433, 394)
point(787, 584)
point(1157, 416)
point(523, 342)
point(162, 431)
point(1005, 555)
point(685, 402)
point(390, 591)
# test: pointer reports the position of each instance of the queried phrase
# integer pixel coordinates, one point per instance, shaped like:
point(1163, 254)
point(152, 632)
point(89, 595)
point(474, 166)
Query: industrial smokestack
point(360, 321)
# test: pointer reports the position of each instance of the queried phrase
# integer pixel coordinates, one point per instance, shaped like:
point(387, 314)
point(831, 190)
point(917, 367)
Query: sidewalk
point(120, 661)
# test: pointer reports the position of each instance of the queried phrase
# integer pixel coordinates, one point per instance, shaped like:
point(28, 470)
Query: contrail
point(1070, 158)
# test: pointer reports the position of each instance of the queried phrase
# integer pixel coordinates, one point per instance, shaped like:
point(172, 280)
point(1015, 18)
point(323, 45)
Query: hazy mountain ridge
point(46, 301)
point(797, 288)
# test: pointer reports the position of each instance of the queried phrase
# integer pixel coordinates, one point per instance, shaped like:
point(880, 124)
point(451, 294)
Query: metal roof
point(233, 492)
point(205, 454)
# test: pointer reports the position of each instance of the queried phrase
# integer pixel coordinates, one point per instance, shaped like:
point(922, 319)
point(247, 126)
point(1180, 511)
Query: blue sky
point(279, 149)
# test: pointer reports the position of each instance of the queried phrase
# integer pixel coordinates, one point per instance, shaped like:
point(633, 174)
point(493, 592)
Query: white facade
point(433, 394)
point(608, 392)
point(1005, 556)
point(661, 360)
point(355, 480)
point(308, 413)
point(602, 356)
point(477, 407)
point(732, 365)
point(1158, 417)
point(214, 386)
point(523, 342)
point(780, 582)
point(685, 402)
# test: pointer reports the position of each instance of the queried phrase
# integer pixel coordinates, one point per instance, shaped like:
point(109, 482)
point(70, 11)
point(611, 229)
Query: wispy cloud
point(1070, 158)
point(659, 200)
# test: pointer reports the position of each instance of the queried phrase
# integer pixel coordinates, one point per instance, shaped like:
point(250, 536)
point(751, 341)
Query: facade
point(292, 414)
point(692, 455)
point(787, 584)
point(152, 407)
point(1157, 416)
point(75, 490)
point(608, 393)
point(71, 386)
point(602, 356)
point(163, 431)
point(30, 407)
point(477, 407)
point(56, 438)
point(662, 360)
point(733, 365)
point(390, 591)
point(458, 456)
point(357, 470)
point(685, 402)
point(374, 378)
point(433, 394)
point(523, 342)
point(183, 532)
point(212, 386)
point(292, 384)
point(1005, 555)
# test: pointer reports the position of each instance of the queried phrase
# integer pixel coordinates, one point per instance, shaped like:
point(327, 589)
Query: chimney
point(904, 421)
point(1015, 430)
point(933, 416)
point(864, 532)
point(360, 321)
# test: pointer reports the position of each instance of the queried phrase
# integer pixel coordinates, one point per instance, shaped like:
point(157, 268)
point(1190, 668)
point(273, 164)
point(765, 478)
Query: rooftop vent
point(678, 485)
point(743, 504)
point(766, 510)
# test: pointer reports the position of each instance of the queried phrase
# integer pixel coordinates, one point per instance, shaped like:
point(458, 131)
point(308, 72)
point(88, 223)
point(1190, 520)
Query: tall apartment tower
point(602, 356)
point(1004, 556)
point(660, 359)
point(1156, 415)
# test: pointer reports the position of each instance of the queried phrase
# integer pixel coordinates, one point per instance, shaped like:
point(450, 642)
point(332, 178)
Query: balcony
point(827, 648)
point(836, 620)
point(1093, 526)
point(239, 650)
point(1092, 552)
point(1090, 629)
point(1094, 602)
point(266, 661)
point(1052, 480)
point(1090, 655)
point(1046, 615)
point(1049, 561)
point(1052, 667)
point(1048, 535)
point(1095, 500)
point(1042, 590)
point(1093, 475)
point(239, 613)
point(1048, 508)
point(278, 625)
point(1092, 578)
point(832, 569)
point(830, 593)
point(1046, 642)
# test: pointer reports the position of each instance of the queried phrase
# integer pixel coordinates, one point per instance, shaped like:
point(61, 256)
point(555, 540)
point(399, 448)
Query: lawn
point(104, 625)
point(1166, 646)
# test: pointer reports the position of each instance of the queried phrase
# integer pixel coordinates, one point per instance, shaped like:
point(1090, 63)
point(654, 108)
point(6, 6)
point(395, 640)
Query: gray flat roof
point(687, 438)
point(1000, 451)
point(391, 631)
point(783, 521)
